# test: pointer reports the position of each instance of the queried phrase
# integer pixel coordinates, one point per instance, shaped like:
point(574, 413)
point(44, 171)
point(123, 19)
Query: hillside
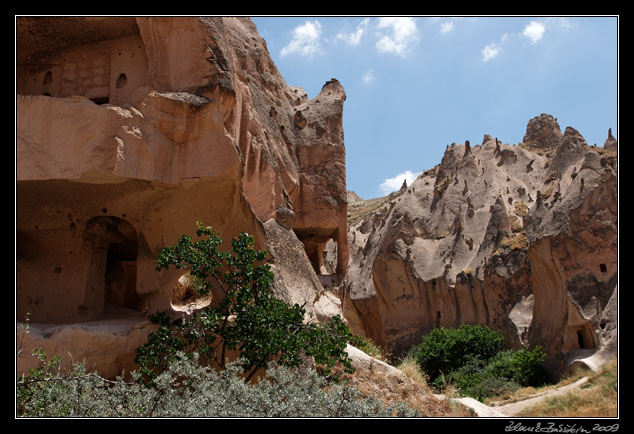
point(518, 237)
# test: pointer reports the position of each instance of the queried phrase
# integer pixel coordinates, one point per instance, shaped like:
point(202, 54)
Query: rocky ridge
point(522, 238)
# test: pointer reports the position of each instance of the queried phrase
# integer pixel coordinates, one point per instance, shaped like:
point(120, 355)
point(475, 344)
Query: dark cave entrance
point(120, 274)
point(580, 339)
point(112, 280)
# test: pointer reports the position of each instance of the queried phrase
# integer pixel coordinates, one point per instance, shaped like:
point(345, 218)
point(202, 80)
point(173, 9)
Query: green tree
point(248, 318)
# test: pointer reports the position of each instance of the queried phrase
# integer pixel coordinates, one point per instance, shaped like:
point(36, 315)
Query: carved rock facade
point(129, 130)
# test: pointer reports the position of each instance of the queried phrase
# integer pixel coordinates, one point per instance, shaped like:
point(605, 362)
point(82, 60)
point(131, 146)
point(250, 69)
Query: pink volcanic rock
point(129, 130)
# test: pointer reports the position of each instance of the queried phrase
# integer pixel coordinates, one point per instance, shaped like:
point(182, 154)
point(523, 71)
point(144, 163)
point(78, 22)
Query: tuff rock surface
point(129, 130)
point(522, 238)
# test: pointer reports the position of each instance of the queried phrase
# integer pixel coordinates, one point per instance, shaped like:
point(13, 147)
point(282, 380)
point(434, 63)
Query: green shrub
point(248, 318)
point(188, 389)
point(445, 350)
point(521, 366)
point(471, 358)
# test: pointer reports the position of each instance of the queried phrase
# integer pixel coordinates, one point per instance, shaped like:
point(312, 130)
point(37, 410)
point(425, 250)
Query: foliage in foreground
point(187, 388)
point(471, 358)
point(176, 377)
point(248, 318)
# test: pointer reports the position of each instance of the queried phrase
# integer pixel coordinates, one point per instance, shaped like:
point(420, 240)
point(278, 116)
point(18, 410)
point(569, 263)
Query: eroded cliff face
point(129, 130)
point(573, 255)
point(522, 238)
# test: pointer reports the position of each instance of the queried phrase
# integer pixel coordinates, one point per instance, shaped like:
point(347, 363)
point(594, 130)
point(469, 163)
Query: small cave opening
point(101, 100)
point(603, 268)
point(580, 339)
point(320, 248)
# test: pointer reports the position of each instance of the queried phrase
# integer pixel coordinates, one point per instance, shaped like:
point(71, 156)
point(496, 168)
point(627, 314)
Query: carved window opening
point(48, 78)
point(603, 268)
point(580, 339)
point(122, 80)
point(104, 66)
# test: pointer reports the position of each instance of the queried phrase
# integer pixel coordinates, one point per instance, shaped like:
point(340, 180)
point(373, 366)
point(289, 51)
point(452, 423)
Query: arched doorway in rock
point(580, 336)
point(120, 274)
point(111, 281)
point(315, 241)
point(586, 337)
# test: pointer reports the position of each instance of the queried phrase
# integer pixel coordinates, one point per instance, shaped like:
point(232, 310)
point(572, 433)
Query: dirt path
point(512, 409)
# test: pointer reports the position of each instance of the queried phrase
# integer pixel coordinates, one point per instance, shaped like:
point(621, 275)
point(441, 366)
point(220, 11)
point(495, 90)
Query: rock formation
point(543, 131)
point(522, 238)
point(129, 130)
point(610, 142)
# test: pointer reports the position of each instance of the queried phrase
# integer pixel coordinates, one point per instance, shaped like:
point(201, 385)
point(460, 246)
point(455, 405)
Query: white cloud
point(393, 184)
point(355, 38)
point(490, 52)
point(534, 31)
point(368, 76)
point(306, 40)
point(448, 24)
point(402, 32)
point(446, 27)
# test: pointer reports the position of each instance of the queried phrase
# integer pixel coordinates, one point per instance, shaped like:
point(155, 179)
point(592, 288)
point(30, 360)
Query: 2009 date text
point(552, 427)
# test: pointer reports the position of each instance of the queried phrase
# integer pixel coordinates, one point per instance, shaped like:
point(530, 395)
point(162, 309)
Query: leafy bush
point(188, 389)
point(475, 379)
point(472, 359)
point(445, 350)
point(248, 318)
point(521, 366)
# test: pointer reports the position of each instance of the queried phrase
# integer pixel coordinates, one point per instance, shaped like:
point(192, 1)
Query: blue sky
point(417, 84)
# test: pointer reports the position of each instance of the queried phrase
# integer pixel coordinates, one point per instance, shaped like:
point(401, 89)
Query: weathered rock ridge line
point(522, 238)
